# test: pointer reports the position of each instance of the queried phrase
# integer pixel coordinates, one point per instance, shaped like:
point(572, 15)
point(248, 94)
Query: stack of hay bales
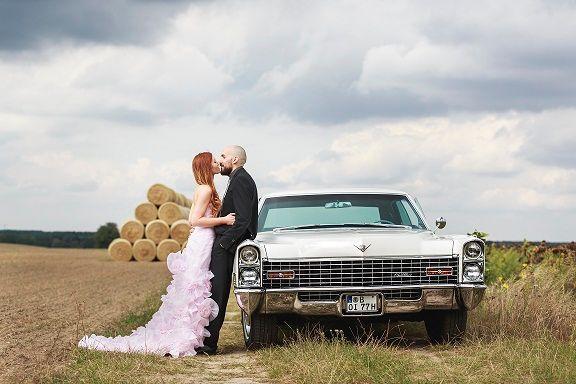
point(159, 228)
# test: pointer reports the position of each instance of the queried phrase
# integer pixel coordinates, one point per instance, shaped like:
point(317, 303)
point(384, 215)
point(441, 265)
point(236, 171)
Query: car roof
point(334, 191)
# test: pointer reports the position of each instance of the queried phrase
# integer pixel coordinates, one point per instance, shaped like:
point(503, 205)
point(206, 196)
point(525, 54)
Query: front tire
point(446, 326)
point(259, 330)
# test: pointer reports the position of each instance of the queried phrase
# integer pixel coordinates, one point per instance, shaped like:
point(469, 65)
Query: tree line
point(99, 239)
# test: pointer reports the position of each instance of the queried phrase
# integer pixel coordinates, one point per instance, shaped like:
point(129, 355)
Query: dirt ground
point(44, 292)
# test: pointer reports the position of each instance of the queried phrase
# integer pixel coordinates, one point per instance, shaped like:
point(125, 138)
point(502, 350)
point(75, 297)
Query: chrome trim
point(238, 265)
point(365, 258)
point(361, 272)
point(470, 297)
point(366, 289)
point(249, 300)
point(466, 296)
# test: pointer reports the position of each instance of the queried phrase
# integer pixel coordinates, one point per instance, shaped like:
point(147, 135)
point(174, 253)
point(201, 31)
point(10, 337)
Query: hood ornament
point(362, 248)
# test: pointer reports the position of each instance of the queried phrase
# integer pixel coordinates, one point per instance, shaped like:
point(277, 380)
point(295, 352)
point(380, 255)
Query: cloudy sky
point(470, 106)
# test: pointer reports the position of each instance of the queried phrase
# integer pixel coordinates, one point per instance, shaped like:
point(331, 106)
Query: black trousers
point(221, 266)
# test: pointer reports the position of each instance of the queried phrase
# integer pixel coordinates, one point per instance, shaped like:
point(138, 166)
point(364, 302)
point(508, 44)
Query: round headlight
point(249, 255)
point(472, 272)
point(249, 276)
point(473, 250)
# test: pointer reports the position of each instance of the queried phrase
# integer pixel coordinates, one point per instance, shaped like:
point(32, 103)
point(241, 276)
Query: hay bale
point(180, 230)
point(146, 212)
point(120, 250)
point(144, 250)
point(157, 230)
point(166, 247)
point(160, 194)
point(132, 230)
point(171, 212)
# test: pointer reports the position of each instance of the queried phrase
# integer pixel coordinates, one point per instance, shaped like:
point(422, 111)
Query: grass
point(89, 366)
point(96, 367)
point(524, 332)
point(510, 360)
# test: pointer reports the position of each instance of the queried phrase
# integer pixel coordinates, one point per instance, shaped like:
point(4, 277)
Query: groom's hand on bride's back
point(229, 219)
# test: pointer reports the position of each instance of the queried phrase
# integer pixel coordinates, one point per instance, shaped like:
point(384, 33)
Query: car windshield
point(338, 210)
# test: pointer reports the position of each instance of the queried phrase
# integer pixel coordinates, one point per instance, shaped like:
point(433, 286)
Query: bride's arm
point(197, 219)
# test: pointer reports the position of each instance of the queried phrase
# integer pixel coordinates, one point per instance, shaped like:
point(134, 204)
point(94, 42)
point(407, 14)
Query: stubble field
point(48, 296)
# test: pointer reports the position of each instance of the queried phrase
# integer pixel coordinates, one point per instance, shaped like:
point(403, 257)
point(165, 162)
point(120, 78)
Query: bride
point(177, 328)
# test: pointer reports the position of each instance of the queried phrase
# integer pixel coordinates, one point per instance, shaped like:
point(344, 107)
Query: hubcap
point(246, 325)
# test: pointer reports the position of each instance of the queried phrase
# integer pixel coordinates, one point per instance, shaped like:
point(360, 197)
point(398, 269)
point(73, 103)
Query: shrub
point(105, 234)
point(540, 303)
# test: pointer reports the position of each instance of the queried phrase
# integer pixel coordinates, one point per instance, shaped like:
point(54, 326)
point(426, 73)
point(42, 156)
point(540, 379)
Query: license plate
point(361, 303)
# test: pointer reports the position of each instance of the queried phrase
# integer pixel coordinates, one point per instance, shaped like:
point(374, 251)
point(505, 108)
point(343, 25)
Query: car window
point(284, 217)
point(337, 209)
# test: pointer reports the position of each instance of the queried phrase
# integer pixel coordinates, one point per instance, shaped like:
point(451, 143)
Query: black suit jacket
point(242, 199)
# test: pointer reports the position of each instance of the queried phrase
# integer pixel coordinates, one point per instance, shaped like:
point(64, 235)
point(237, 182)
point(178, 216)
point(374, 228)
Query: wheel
point(259, 330)
point(446, 326)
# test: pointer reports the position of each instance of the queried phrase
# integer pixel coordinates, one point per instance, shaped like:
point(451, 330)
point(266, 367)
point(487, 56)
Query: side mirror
point(440, 223)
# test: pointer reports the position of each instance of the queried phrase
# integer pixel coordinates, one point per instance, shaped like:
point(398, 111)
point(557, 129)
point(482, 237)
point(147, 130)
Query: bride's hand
point(229, 219)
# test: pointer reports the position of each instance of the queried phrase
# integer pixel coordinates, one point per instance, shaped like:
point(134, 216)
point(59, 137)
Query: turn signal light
point(442, 271)
point(280, 274)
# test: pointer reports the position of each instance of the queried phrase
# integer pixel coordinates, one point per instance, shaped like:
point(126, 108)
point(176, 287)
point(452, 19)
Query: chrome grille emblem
point(362, 248)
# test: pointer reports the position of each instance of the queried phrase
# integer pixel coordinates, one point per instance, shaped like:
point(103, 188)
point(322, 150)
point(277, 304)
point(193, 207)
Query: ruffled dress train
point(178, 327)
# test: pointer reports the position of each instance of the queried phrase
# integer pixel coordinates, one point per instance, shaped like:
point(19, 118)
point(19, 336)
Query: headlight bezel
point(244, 251)
point(243, 282)
point(480, 276)
point(471, 244)
point(249, 258)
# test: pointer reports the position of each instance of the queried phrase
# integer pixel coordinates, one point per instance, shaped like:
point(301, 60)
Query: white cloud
point(445, 160)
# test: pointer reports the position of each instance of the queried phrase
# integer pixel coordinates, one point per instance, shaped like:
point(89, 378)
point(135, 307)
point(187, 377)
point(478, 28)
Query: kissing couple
point(193, 309)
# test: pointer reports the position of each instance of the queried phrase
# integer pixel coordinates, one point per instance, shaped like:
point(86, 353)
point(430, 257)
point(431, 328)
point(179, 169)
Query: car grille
point(360, 273)
point(389, 294)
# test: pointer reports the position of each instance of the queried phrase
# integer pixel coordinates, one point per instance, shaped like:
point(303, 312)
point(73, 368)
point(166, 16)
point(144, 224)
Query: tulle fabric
point(179, 324)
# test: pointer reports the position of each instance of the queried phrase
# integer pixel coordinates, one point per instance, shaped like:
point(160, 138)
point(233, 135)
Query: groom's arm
point(242, 194)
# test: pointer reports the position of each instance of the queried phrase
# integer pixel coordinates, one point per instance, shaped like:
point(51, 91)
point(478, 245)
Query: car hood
point(346, 243)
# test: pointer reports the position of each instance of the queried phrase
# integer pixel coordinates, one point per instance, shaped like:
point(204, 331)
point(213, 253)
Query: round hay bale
point(144, 250)
point(160, 194)
point(166, 247)
point(183, 200)
point(120, 250)
point(171, 212)
point(132, 230)
point(157, 230)
point(180, 230)
point(146, 212)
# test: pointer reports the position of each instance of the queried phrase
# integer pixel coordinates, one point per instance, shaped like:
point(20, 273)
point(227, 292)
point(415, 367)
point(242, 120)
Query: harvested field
point(49, 295)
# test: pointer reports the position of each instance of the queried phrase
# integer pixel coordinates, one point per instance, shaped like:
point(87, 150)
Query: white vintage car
point(354, 256)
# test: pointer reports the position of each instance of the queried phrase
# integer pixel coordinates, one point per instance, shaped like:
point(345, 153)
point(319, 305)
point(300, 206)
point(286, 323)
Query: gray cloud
point(551, 140)
point(27, 24)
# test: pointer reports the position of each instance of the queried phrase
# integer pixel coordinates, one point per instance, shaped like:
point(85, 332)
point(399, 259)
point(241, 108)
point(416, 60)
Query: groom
point(241, 198)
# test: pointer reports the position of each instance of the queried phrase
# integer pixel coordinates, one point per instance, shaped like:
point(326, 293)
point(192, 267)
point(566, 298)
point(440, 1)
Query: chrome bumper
point(278, 301)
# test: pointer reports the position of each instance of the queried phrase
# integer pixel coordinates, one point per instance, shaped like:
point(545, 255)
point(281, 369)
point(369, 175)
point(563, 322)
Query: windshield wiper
point(315, 226)
point(381, 225)
point(306, 226)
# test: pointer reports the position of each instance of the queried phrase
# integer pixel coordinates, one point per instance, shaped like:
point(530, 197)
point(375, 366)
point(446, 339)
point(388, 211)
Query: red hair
point(202, 168)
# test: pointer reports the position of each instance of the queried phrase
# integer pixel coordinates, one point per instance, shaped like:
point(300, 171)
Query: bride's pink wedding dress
point(178, 325)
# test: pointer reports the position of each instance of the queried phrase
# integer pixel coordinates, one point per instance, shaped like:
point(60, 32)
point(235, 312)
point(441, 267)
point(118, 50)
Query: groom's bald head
point(232, 157)
point(239, 152)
